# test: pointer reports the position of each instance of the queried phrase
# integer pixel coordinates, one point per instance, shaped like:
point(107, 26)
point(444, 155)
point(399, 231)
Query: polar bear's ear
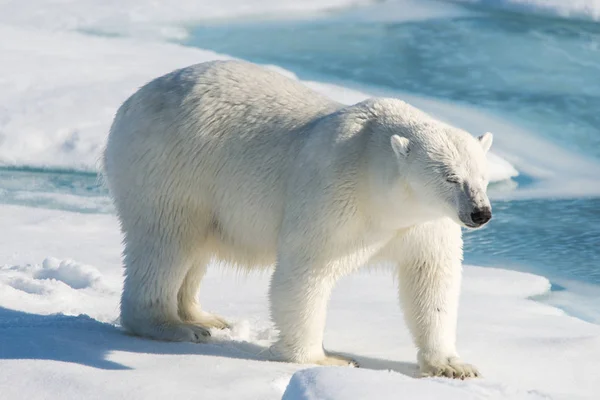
point(485, 141)
point(400, 146)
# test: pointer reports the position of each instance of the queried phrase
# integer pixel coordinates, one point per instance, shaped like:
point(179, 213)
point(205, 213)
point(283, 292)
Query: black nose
point(481, 215)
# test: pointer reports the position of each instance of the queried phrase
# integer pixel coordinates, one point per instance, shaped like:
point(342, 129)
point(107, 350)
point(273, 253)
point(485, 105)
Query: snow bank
point(402, 11)
point(576, 9)
point(57, 286)
point(577, 298)
point(71, 273)
point(352, 384)
point(500, 169)
point(58, 340)
point(64, 89)
point(143, 18)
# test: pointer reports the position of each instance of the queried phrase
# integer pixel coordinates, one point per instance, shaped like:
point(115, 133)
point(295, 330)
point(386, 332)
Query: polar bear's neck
point(398, 208)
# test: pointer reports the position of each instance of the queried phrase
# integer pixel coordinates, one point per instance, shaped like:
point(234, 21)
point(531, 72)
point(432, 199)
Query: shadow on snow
point(83, 340)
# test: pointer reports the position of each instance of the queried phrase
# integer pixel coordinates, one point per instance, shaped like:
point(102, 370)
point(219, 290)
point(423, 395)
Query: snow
point(69, 272)
point(346, 384)
point(402, 11)
point(59, 334)
point(58, 115)
point(572, 9)
point(150, 19)
point(579, 299)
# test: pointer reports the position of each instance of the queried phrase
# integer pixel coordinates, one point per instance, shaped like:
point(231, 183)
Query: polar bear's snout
point(474, 207)
point(481, 216)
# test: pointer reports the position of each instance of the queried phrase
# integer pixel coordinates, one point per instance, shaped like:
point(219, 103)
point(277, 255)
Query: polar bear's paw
point(210, 321)
point(214, 321)
point(170, 332)
point(450, 368)
point(337, 360)
point(198, 317)
point(200, 334)
point(279, 353)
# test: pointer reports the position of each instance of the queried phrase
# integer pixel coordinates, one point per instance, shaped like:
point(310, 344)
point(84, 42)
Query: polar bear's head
point(446, 170)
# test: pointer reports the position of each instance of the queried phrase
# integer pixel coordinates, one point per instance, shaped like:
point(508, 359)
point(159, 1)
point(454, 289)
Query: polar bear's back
point(212, 139)
point(233, 94)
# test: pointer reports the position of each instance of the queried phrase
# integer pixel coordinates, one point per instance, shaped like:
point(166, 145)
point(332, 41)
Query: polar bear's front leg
point(429, 283)
point(299, 294)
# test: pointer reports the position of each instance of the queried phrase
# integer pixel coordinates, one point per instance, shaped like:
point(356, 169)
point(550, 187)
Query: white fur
point(231, 161)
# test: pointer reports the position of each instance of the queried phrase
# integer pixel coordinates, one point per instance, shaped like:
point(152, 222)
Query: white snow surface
point(570, 9)
point(347, 384)
point(59, 334)
point(59, 92)
point(151, 19)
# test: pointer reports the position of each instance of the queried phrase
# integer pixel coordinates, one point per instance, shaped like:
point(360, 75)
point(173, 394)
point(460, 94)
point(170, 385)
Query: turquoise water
point(55, 189)
point(542, 74)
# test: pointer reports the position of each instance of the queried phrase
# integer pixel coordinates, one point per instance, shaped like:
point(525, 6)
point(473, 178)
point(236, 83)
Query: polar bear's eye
point(452, 179)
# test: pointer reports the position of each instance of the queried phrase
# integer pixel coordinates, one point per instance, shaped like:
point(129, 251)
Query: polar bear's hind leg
point(188, 307)
point(157, 260)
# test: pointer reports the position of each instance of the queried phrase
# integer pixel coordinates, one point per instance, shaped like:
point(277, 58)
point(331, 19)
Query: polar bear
point(231, 161)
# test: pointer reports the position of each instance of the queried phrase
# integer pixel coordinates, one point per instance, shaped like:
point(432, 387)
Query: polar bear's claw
point(199, 333)
point(337, 360)
point(450, 369)
point(214, 321)
point(170, 332)
point(198, 317)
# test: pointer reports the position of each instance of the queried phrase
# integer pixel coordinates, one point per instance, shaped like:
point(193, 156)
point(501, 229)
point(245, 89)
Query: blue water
point(539, 73)
point(55, 189)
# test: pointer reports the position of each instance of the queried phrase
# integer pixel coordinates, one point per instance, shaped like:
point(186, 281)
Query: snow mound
point(500, 169)
point(57, 286)
point(519, 285)
point(75, 275)
point(58, 116)
point(331, 383)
